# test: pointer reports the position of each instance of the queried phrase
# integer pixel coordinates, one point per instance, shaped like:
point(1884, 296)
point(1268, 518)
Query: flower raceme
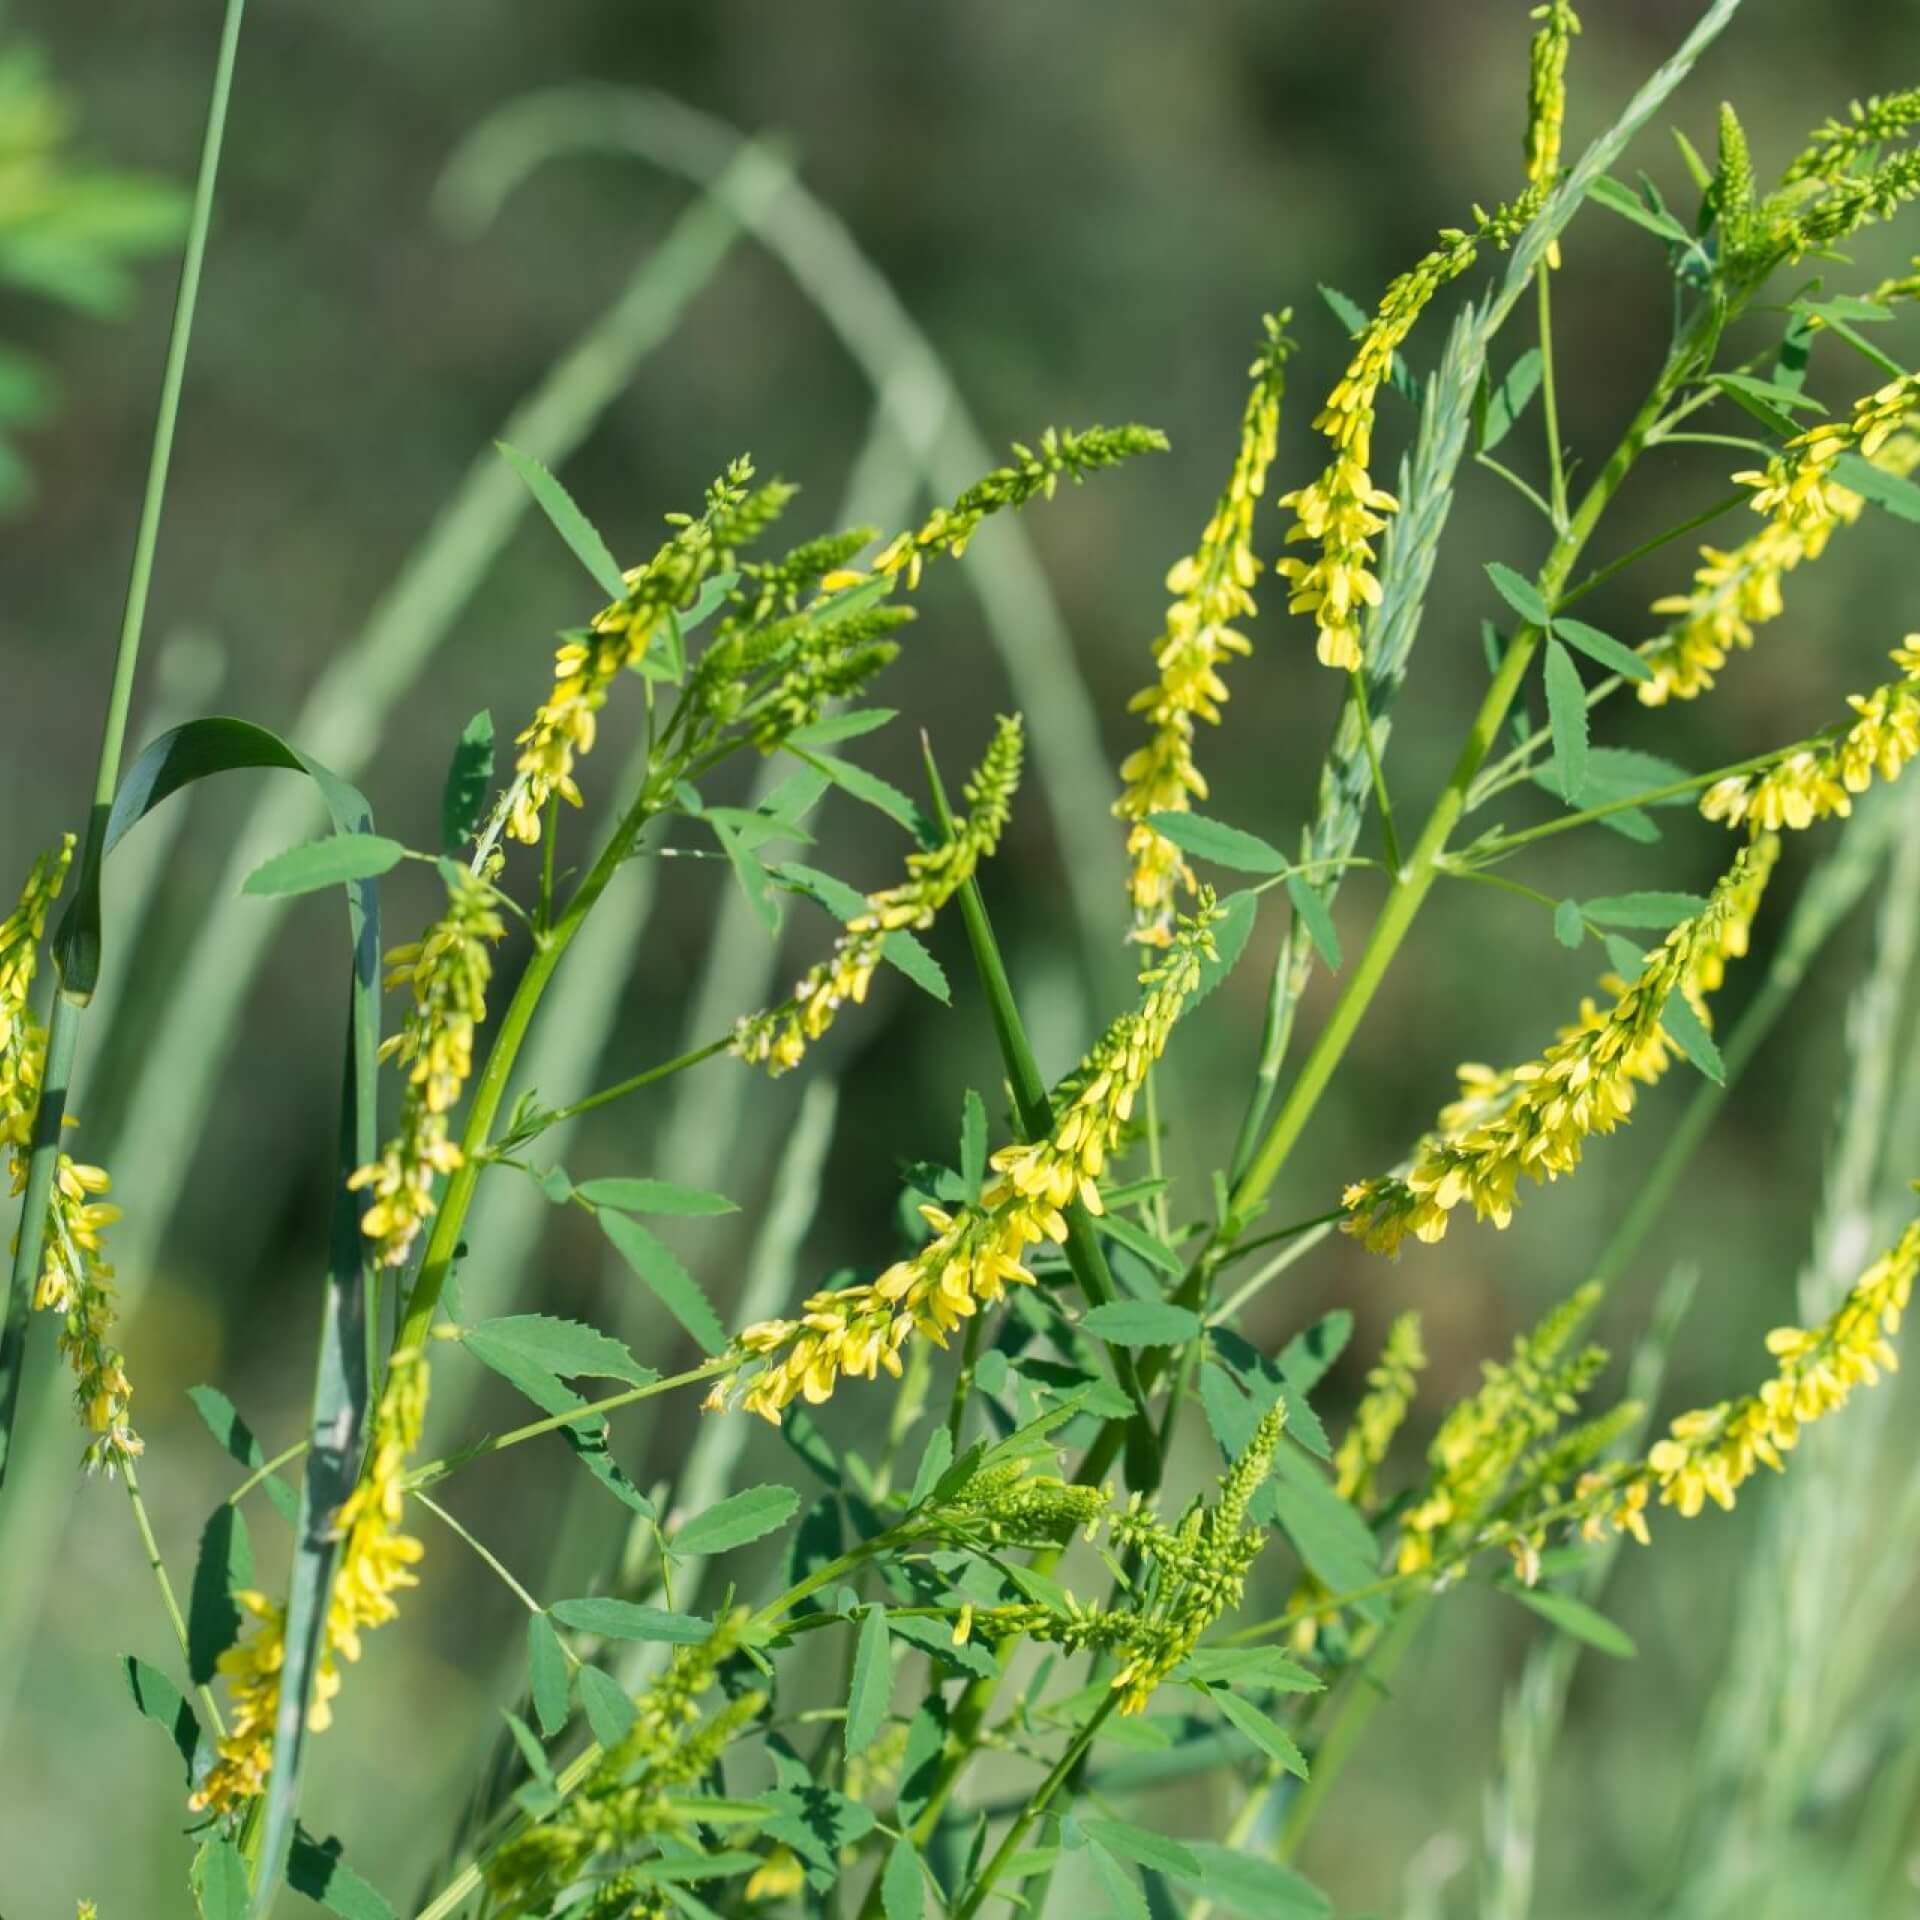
point(1709, 1453)
point(1803, 505)
point(778, 1037)
point(75, 1280)
point(1342, 511)
point(448, 972)
point(977, 1251)
point(1819, 780)
point(1536, 1119)
point(1212, 589)
point(1547, 97)
point(1391, 1385)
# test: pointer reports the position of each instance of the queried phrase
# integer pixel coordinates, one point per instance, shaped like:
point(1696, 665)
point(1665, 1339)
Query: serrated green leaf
point(1659, 911)
point(1509, 400)
point(1347, 312)
point(1231, 932)
point(1612, 654)
point(872, 1685)
point(223, 1568)
point(904, 951)
point(319, 1874)
point(549, 1678)
point(1520, 594)
point(463, 799)
point(1136, 1239)
point(1898, 495)
point(653, 1196)
point(325, 863)
point(1567, 716)
point(573, 526)
point(1248, 1667)
point(1308, 1356)
point(1257, 1888)
point(1622, 200)
point(1120, 1887)
point(1568, 926)
point(900, 949)
point(561, 1347)
point(1213, 840)
point(163, 1703)
point(1145, 1848)
point(670, 1283)
point(1575, 1617)
point(934, 1462)
point(1769, 402)
point(610, 1713)
point(1142, 1323)
point(753, 878)
point(1688, 1032)
point(1267, 1734)
point(1311, 906)
point(615, 1619)
point(219, 1878)
point(841, 726)
point(735, 1521)
point(903, 1891)
point(871, 790)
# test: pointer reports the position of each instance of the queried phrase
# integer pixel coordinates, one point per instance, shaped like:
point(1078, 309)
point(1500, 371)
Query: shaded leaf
point(162, 1702)
point(463, 800)
point(318, 1872)
point(224, 1567)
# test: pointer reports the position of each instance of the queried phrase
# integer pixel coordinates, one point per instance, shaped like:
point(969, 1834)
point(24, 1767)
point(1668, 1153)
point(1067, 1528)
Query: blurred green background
point(1086, 208)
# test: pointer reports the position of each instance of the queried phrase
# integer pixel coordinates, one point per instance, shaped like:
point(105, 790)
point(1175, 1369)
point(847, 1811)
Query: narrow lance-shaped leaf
point(573, 526)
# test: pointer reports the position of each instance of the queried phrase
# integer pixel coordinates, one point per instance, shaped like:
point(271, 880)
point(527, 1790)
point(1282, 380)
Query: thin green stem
point(1530, 493)
point(265, 1470)
point(1601, 575)
point(1357, 682)
point(619, 1091)
point(1549, 398)
point(485, 1553)
point(158, 1566)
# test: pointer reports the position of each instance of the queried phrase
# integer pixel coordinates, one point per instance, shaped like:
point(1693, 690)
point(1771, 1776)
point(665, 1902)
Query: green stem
point(619, 1091)
point(1601, 575)
point(208, 1705)
point(485, 1553)
point(77, 946)
point(1357, 681)
point(1549, 400)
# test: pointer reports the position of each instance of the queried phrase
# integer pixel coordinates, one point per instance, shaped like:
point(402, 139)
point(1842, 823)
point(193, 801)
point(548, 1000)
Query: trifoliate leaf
point(1213, 840)
point(872, 1686)
point(463, 800)
point(1311, 906)
point(1568, 926)
point(734, 1521)
point(569, 522)
point(325, 863)
point(549, 1680)
point(671, 1284)
point(903, 1890)
point(1268, 1735)
point(653, 1196)
point(1575, 1617)
point(626, 1620)
point(1520, 594)
point(1603, 647)
point(609, 1711)
point(1567, 716)
point(562, 1347)
point(1142, 1323)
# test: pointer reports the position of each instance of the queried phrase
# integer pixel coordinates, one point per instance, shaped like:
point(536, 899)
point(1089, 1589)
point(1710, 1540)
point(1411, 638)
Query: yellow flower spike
point(448, 973)
point(1547, 97)
point(1709, 1453)
point(1736, 591)
point(1391, 1385)
point(976, 1252)
point(777, 1038)
point(1535, 1119)
point(1212, 589)
point(1342, 511)
point(1819, 781)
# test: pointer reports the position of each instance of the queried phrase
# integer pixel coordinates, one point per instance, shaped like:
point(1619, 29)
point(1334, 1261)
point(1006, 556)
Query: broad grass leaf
point(627, 1620)
point(671, 1284)
point(1215, 841)
point(1575, 1617)
point(562, 1347)
point(325, 863)
point(871, 1689)
point(573, 526)
point(463, 799)
point(737, 1520)
point(549, 1679)
point(653, 1196)
point(1141, 1323)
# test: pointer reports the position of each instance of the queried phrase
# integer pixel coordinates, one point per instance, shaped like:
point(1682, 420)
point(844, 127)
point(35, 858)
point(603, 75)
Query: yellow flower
point(1819, 780)
point(448, 972)
point(1547, 97)
point(376, 1561)
point(1802, 504)
point(1212, 589)
point(777, 1038)
point(1390, 1389)
point(1536, 1119)
point(1342, 511)
point(977, 1252)
point(1709, 1453)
